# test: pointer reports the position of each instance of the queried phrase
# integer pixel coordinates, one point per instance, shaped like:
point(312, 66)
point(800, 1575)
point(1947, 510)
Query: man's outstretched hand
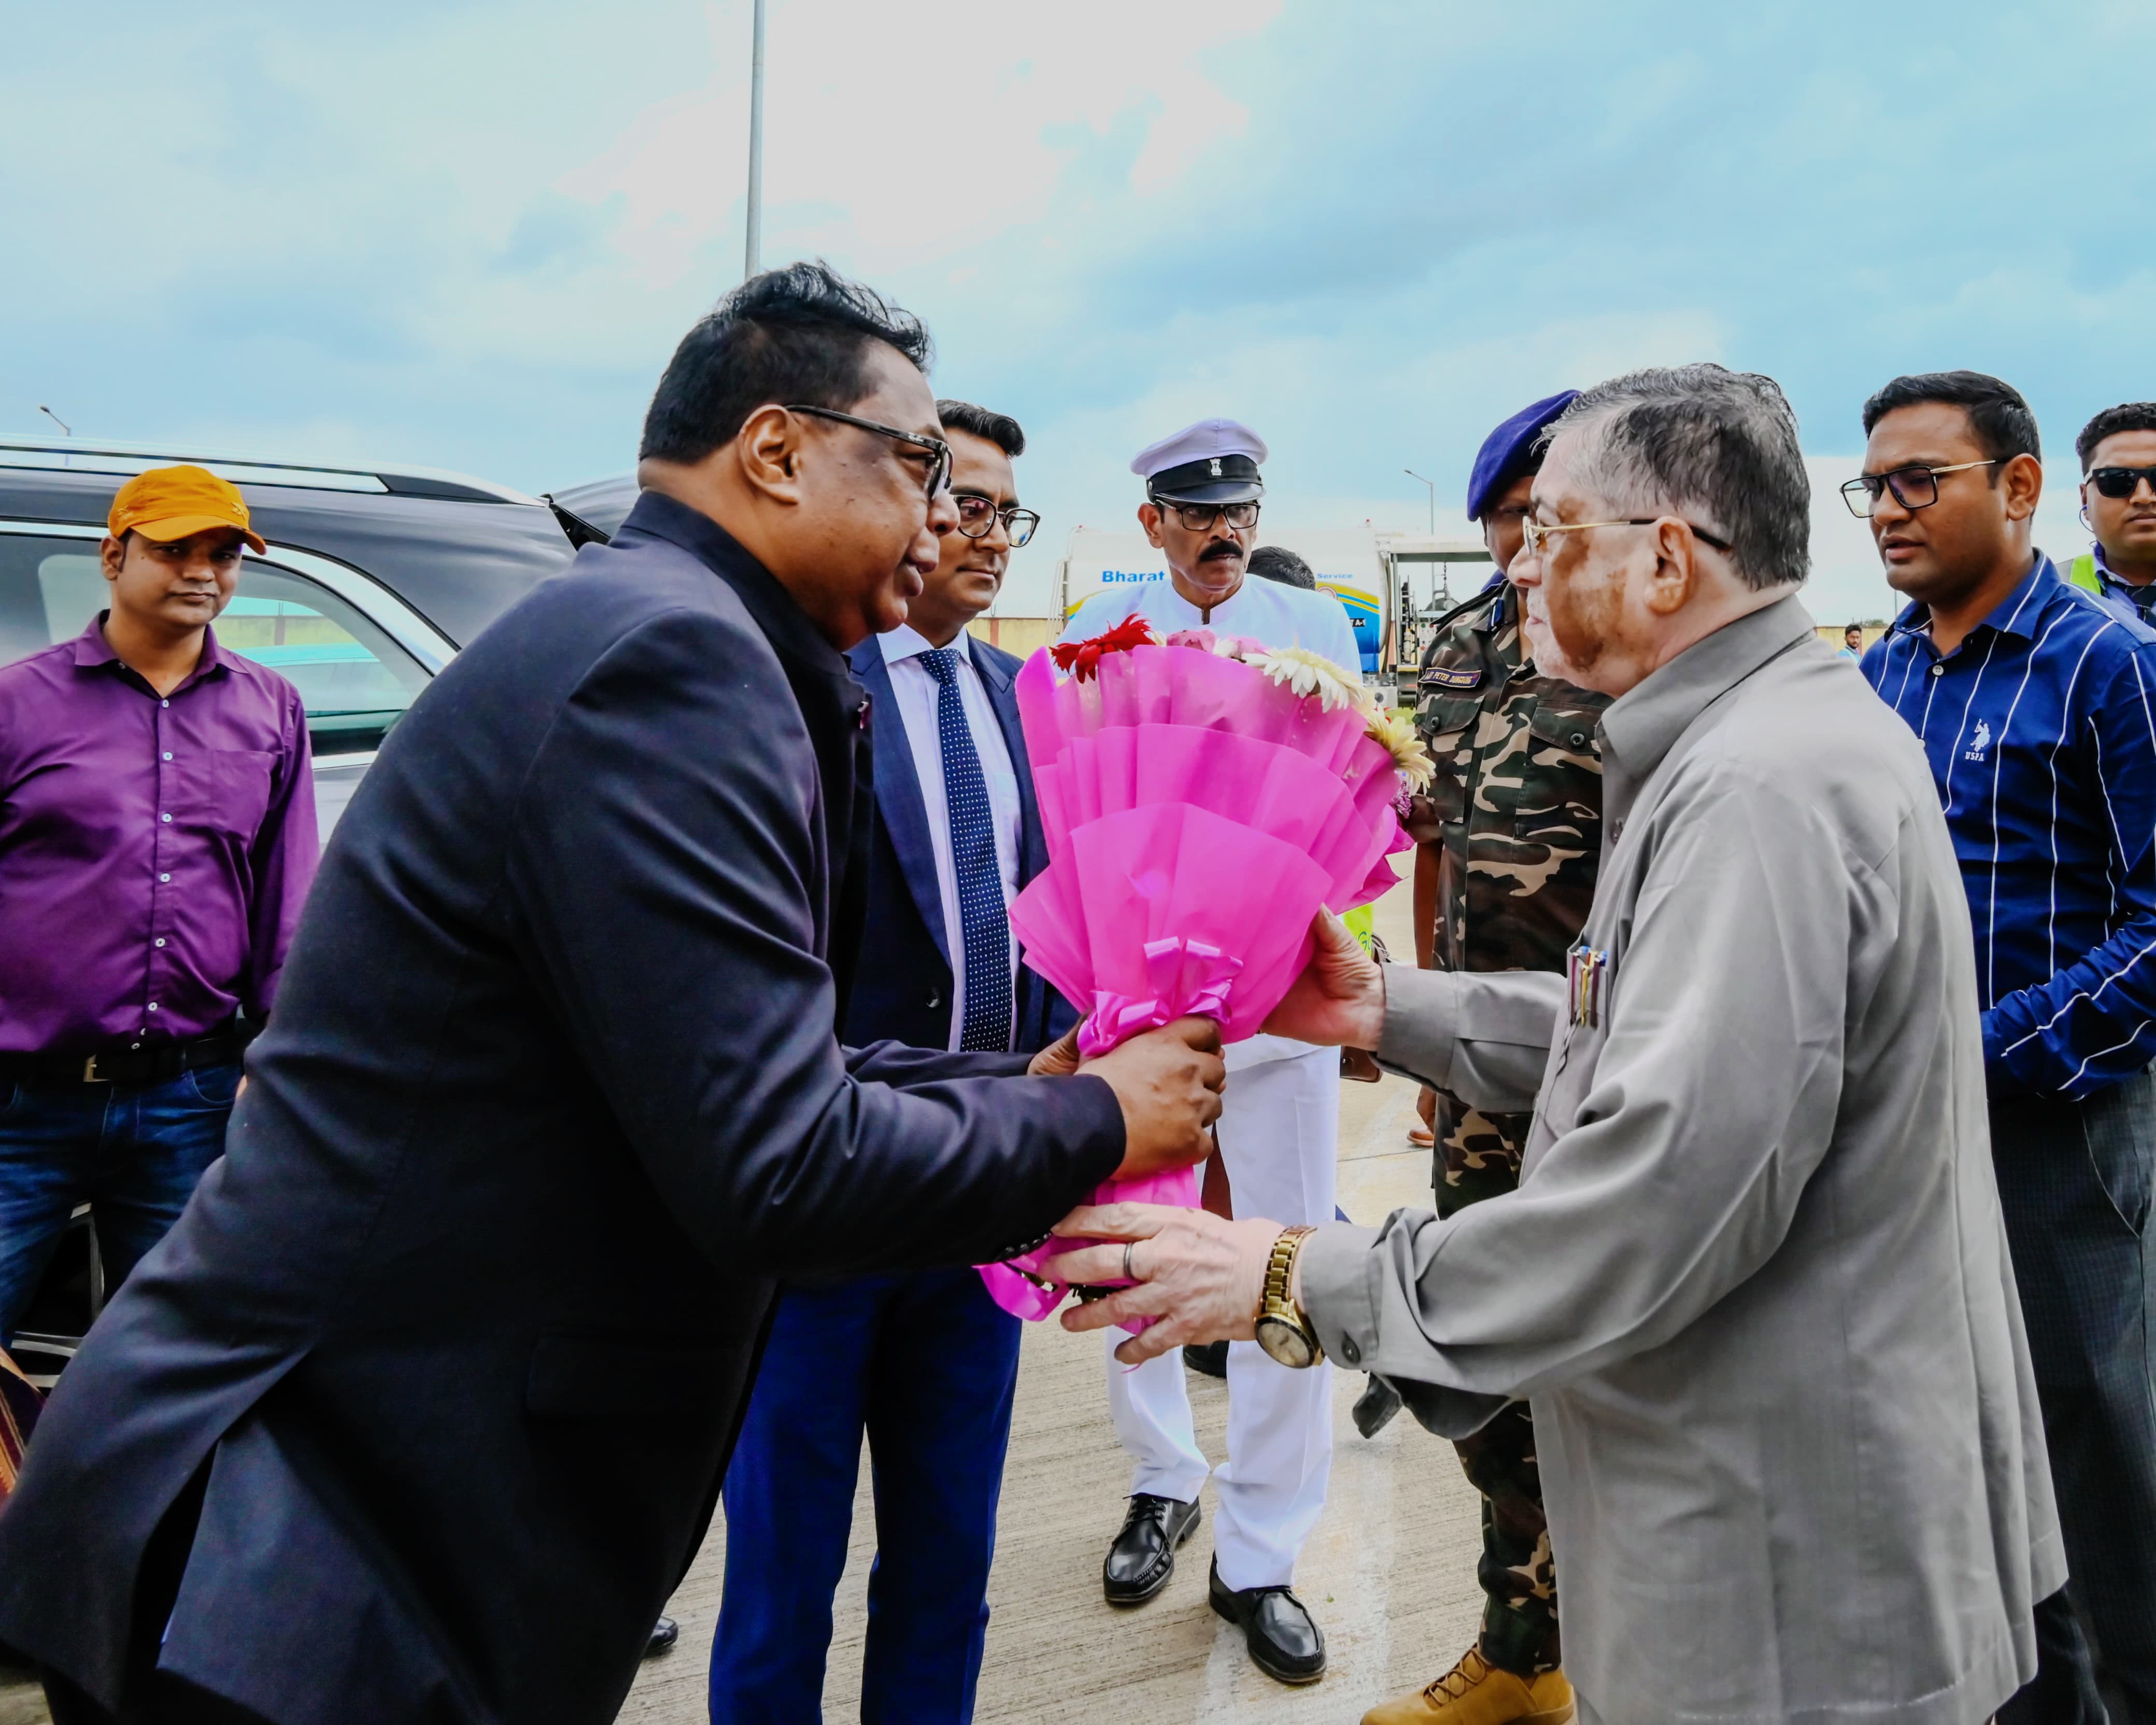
point(1339, 999)
point(1168, 1082)
point(1199, 1278)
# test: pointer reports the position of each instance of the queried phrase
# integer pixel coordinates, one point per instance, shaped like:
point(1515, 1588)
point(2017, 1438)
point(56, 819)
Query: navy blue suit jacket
point(462, 1324)
point(902, 990)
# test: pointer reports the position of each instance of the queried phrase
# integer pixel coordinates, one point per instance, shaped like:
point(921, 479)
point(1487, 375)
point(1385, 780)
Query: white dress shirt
point(916, 693)
point(1271, 612)
point(1268, 611)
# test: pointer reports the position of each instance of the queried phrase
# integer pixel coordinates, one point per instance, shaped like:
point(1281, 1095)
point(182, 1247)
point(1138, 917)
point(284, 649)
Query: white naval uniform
point(1280, 1133)
point(1268, 611)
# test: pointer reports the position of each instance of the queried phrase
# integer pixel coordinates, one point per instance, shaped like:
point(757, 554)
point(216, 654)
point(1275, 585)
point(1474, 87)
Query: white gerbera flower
point(1307, 673)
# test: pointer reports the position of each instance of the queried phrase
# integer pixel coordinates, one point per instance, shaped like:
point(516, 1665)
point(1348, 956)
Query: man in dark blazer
point(420, 1411)
point(923, 1361)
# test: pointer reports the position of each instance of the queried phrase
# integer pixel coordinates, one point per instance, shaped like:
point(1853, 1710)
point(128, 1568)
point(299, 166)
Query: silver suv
point(374, 578)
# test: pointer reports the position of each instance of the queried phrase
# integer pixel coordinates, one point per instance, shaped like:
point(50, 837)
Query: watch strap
point(1278, 1300)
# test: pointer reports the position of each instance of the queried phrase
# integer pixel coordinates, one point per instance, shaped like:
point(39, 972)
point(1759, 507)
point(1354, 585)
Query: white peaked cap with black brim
point(1214, 461)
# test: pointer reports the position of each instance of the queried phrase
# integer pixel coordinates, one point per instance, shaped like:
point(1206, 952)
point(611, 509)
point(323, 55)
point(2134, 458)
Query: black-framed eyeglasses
point(2119, 482)
point(1535, 532)
point(1913, 487)
point(978, 514)
point(1198, 517)
point(939, 452)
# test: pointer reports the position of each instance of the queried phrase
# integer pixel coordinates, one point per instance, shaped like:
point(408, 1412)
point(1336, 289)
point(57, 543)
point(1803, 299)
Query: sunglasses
point(2117, 482)
point(939, 452)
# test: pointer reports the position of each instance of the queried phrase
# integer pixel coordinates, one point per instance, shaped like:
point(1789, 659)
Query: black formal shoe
point(664, 1634)
point(1144, 1556)
point(1375, 1407)
point(1285, 1643)
point(1210, 1357)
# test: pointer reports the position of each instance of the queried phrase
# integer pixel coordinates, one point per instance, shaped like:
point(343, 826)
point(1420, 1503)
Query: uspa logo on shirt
point(1978, 741)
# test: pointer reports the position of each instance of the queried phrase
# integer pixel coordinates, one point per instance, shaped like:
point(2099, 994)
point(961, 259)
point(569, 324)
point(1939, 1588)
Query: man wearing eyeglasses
point(1204, 494)
point(421, 1410)
point(1279, 1129)
point(2033, 702)
point(2117, 451)
point(1509, 840)
point(1792, 1463)
point(923, 1361)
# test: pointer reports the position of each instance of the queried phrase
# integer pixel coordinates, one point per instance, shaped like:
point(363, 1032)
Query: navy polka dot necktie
point(981, 913)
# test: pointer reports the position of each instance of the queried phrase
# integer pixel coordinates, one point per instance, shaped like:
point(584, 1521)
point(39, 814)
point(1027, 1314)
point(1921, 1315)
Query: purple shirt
point(153, 852)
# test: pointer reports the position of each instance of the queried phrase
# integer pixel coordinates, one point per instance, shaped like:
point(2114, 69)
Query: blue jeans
point(925, 1364)
point(133, 1151)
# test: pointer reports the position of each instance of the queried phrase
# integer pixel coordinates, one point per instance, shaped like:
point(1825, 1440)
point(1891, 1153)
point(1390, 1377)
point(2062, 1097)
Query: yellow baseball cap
point(168, 503)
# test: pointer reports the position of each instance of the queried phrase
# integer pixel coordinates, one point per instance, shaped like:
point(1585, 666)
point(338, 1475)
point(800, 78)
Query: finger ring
point(1129, 1274)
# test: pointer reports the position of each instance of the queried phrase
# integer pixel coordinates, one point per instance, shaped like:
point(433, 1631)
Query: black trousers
point(2075, 1183)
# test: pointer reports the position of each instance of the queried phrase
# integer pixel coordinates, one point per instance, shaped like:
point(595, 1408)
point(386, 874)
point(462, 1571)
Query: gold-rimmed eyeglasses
point(1537, 532)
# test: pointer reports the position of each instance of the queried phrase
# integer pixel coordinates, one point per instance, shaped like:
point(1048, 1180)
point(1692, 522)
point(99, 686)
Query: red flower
point(1082, 658)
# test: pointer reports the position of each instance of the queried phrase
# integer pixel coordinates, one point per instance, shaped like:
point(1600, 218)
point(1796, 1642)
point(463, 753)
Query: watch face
point(1283, 1342)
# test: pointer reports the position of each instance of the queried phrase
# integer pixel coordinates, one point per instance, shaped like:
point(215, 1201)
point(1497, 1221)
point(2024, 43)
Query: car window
point(355, 681)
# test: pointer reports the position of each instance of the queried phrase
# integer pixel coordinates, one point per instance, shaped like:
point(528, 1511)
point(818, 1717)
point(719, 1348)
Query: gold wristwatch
point(1283, 1333)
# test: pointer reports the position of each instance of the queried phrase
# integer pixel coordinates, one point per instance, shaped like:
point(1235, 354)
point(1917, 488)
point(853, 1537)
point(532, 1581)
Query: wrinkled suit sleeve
point(1483, 1036)
point(1711, 1100)
point(663, 864)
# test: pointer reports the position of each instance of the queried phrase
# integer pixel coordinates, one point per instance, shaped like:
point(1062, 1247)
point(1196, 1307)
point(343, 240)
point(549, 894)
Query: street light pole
point(1432, 483)
point(749, 265)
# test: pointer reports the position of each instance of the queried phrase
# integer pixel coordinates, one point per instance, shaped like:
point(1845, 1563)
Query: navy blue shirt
point(2040, 731)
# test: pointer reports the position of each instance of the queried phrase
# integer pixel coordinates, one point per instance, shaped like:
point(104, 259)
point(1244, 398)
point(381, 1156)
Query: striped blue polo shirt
point(2040, 728)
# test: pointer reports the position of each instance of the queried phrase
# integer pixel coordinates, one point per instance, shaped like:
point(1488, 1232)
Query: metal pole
point(1432, 483)
point(750, 265)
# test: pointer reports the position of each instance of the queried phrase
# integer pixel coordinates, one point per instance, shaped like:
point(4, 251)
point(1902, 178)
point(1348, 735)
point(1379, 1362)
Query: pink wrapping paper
point(1197, 815)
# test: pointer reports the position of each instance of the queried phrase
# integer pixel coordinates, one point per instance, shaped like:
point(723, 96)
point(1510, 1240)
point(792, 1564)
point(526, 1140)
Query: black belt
point(158, 1064)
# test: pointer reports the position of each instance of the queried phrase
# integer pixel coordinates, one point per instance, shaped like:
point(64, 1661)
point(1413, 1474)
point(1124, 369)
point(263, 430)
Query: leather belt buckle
point(90, 1073)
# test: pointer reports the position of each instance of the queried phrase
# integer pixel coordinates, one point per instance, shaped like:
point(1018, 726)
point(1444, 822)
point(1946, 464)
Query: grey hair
point(1717, 446)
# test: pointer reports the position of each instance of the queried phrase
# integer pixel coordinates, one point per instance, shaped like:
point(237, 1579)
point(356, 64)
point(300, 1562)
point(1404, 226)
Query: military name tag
point(1586, 970)
point(1445, 677)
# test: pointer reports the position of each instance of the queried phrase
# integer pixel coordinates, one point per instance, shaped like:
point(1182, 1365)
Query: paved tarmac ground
point(1389, 1572)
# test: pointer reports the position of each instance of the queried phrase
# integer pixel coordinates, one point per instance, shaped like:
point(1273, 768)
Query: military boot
point(1476, 1692)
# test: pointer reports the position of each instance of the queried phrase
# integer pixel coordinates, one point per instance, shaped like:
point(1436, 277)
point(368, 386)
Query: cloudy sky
point(468, 235)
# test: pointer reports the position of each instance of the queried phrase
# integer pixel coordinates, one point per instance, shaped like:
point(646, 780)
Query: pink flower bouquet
point(1200, 800)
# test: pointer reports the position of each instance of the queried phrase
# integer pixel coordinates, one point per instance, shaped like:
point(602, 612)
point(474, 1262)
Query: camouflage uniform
point(1519, 789)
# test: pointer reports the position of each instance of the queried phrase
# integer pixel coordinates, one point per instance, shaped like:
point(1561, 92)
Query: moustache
point(1220, 548)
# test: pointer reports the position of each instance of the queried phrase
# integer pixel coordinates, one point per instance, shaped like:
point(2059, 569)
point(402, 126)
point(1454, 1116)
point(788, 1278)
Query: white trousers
point(1280, 1136)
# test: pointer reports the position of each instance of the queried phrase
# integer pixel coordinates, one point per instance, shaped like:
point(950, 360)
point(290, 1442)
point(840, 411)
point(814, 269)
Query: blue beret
point(1506, 453)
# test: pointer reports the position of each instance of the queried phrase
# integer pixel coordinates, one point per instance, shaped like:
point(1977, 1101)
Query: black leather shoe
point(1284, 1641)
point(1144, 1556)
point(664, 1634)
point(1210, 1357)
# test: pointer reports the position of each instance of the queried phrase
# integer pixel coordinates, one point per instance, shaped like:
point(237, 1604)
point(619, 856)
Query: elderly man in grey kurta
point(1789, 1440)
